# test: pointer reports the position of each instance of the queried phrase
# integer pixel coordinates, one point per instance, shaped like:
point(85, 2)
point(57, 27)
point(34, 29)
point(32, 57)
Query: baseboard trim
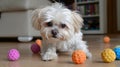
point(15, 39)
point(8, 39)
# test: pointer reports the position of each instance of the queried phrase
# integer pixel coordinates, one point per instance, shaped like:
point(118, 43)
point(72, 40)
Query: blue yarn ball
point(117, 52)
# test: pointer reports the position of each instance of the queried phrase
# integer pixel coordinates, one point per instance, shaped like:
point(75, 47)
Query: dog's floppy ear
point(36, 19)
point(77, 21)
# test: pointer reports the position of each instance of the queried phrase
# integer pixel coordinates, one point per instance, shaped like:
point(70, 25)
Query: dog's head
point(57, 22)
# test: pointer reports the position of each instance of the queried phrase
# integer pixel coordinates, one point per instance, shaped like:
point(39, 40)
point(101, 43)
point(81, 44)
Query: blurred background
point(100, 16)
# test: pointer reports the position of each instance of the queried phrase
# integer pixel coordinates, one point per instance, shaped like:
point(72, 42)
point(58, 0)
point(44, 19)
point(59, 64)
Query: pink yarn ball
point(13, 55)
point(35, 48)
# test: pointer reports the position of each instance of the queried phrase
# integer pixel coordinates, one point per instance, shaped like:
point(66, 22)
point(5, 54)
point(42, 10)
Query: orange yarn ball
point(106, 39)
point(38, 42)
point(78, 57)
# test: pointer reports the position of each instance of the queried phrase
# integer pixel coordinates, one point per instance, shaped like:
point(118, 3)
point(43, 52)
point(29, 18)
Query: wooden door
point(112, 17)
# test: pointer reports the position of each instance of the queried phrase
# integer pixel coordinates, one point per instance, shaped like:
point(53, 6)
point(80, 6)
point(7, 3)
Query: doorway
point(113, 23)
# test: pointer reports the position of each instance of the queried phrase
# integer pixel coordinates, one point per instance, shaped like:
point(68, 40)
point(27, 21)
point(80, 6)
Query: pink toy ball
point(35, 48)
point(13, 54)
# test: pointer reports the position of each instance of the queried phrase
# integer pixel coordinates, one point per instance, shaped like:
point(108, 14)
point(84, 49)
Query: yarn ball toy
point(106, 39)
point(13, 54)
point(35, 48)
point(108, 55)
point(78, 57)
point(38, 42)
point(117, 52)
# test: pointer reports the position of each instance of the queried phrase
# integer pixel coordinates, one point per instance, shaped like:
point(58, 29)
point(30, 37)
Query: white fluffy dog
point(60, 30)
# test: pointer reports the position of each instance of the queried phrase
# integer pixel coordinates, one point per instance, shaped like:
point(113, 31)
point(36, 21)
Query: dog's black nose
point(54, 32)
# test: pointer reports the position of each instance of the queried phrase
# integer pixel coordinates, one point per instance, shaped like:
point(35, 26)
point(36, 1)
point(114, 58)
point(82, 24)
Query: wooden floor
point(28, 59)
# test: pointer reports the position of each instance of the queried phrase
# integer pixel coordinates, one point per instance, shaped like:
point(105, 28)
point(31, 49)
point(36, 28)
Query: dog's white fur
point(66, 24)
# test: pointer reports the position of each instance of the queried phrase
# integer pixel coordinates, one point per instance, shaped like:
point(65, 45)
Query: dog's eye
point(49, 24)
point(63, 25)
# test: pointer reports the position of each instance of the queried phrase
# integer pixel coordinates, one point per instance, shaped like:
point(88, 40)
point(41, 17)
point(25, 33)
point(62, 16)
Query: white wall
point(118, 14)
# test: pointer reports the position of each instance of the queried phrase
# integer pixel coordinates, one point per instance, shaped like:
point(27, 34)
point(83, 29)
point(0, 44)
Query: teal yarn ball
point(117, 52)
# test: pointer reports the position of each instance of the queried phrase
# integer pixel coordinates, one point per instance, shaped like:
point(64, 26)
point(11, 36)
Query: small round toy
point(13, 55)
point(78, 57)
point(117, 52)
point(108, 55)
point(35, 48)
point(106, 39)
point(38, 42)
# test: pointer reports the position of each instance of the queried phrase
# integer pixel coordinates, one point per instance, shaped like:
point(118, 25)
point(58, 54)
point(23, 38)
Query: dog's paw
point(49, 56)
